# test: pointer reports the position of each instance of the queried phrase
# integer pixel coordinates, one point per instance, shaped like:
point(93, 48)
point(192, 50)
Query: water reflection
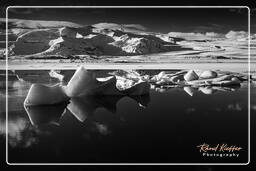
point(45, 114)
point(190, 90)
point(81, 107)
point(235, 107)
point(208, 90)
point(79, 120)
point(20, 131)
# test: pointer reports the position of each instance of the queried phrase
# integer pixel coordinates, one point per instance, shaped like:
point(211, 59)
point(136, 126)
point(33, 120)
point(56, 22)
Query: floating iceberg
point(45, 95)
point(126, 83)
point(82, 83)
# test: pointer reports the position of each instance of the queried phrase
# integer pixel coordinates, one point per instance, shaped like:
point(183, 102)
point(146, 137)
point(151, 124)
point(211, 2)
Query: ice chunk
point(45, 95)
point(208, 74)
point(191, 75)
point(85, 82)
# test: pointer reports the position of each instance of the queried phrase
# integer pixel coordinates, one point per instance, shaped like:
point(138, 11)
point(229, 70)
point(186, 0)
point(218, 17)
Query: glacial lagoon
point(164, 126)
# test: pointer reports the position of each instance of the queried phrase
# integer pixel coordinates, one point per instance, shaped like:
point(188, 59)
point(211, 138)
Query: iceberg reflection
point(45, 114)
point(209, 90)
point(91, 113)
point(81, 107)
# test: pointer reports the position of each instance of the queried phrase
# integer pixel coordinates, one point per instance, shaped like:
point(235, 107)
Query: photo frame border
point(249, 68)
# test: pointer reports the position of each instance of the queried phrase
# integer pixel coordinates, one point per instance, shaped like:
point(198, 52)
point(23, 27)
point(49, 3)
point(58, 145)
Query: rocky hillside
point(37, 39)
point(114, 42)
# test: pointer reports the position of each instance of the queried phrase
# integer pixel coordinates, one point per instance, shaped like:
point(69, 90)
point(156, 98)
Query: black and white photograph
point(139, 85)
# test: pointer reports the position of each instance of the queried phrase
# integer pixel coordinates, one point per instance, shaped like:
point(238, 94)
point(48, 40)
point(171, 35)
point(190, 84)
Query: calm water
point(161, 127)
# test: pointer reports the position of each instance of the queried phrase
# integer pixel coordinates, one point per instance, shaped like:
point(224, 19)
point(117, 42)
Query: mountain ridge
point(46, 39)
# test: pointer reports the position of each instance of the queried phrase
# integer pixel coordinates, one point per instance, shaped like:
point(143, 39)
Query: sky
point(220, 20)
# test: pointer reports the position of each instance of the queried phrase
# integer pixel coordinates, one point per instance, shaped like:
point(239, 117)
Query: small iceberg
point(208, 74)
point(190, 76)
point(45, 95)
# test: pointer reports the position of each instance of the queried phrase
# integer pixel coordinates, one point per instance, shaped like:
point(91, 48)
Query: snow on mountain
point(49, 38)
point(103, 44)
point(237, 35)
point(34, 41)
point(140, 45)
point(232, 35)
point(196, 36)
point(99, 39)
point(232, 45)
point(36, 24)
point(123, 27)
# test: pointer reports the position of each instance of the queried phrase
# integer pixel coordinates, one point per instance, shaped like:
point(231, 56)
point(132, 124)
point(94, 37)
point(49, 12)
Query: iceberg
point(82, 83)
point(45, 95)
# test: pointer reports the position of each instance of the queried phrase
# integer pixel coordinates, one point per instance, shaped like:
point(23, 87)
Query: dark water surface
point(163, 127)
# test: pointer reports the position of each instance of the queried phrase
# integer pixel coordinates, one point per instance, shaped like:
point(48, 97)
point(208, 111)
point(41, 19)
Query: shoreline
point(238, 67)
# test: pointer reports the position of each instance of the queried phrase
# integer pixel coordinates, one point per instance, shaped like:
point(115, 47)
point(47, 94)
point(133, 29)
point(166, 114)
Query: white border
point(249, 148)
